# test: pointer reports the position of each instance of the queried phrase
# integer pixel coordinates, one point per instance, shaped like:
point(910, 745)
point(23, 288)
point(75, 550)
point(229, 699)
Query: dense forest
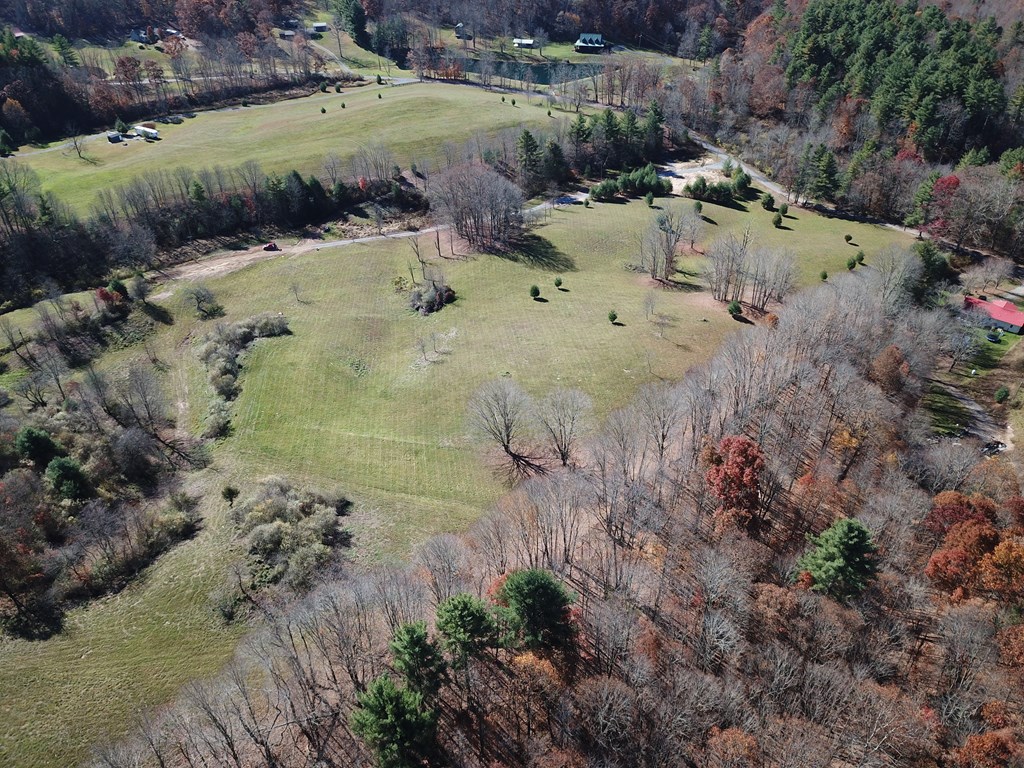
point(770, 562)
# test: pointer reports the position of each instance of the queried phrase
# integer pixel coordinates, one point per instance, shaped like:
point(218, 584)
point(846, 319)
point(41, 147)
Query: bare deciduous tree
point(563, 415)
point(500, 410)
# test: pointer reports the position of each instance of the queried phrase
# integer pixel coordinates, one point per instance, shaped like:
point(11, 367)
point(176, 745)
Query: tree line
point(648, 594)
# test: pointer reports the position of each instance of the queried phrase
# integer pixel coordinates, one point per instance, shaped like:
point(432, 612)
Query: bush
point(768, 201)
point(323, 87)
point(323, 110)
point(824, 275)
point(1002, 394)
point(67, 480)
point(740, 184)
point(698, 207)
point(727, 168)
point(218, 420)
point(605, 191)
point(433, 298)
point(613, 316)
point(558, 282)
point(860, 257)
point(380, 80)
point(735, 308)
point(37, 446)
point(513, 102)
point(649, 199)
point(784, 208)
point(337, 87)
point(851, 263)
point(777, 221)
point(848, 238)
point(534, 292)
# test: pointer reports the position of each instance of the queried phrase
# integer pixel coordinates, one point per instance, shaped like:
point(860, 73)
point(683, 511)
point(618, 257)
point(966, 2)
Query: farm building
point(1002, 314)
point(522, 42)
point(320, 26)
point(590, 43)
point(286, 34)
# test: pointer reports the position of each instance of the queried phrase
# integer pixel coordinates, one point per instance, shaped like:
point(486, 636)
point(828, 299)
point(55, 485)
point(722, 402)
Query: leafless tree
point(563, 416)
point(727, 266)
point(480, 204)
point(500, 410)
point(444, 560)
point(332, 168)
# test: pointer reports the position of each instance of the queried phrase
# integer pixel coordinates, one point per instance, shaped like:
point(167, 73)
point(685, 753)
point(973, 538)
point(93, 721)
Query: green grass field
point(412, 121)
point(349, 403)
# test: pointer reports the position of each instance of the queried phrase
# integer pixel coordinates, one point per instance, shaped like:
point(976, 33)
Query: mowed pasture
point(352, 402)
point(412, 121)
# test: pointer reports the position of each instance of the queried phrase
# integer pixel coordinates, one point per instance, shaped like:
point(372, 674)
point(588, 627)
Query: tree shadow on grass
point(784, 227)
point(619, 324)
point(742, 319)
point(709, 220)
point(540, 299)
point(536, 251)
point(157, 313)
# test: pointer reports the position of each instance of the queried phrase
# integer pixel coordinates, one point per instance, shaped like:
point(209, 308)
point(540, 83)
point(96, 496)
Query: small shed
point(590, 43)
point(320, 26)
point(1002, 314)
point(286, 34)
point(114, 137)
point(461, 33)
point(522, 42)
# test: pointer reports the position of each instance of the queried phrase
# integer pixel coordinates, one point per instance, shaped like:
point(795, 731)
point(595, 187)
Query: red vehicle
point(271, 247)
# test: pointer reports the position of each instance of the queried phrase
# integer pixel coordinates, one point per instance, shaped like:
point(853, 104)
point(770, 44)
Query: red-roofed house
point(1003, 314)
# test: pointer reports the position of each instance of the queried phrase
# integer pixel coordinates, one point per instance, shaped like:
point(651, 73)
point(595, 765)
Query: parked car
point(993, 336)
point(271, 247)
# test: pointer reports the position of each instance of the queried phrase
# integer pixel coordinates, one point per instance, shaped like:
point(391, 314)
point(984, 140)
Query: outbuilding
point(1001, 313)
point(320, 26)
point(590, 43)
point(146, 133)
point(522, 42)
point(286, 34)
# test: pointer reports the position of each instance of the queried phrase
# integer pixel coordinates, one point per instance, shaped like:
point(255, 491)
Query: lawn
point(412, 121)
point(816, 241)
point(350, 402)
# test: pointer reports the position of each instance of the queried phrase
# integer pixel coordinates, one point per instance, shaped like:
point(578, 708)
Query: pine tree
point(354, 16)
point(395, 723)
point(418, 659)
point(68, 54)
point(555, 167)
point(923, 199)
point(466, 627)
point(654, 131)
point(528, 155)
point(842, 561)
point(537, 606)
point(579, 135)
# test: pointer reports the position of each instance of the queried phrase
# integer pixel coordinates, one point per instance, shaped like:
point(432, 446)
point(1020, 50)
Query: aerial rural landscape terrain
point(558, 383)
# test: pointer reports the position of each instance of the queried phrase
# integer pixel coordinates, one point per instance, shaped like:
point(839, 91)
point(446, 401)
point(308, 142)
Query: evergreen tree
point(555, 168)
point(653, 128)
point(354, 16)
point(823, 175)
point(528, 155)
point(396, 725)
point(841, 562)
point(704, 43)
point(919, 215)
point(418, 659)
point(579, 135)
point(67, 53)
point(466, 626)
point(537, 608)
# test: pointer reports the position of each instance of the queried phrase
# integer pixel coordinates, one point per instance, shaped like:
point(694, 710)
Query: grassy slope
point(343, 403)
point(413, 121)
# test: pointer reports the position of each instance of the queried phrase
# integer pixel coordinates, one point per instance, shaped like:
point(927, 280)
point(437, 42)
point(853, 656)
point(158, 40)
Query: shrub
point(698, 207)
point(218, 420)
point(558, 282)
point(549, 113)
point(735, 308)
point(513, 102)
point(380, 80)
point(768, 201)
point(343, 105)
point(851, 263)
point(323, 110)
point(323, 87)
point(534, 292)
point(777, 221)
point(337, 87)
point(379, 96)
point(824, 275)
point(741, 184)
point(67, 480)
point(860, 257)
point(502, 99)
point(118, 287)
point(784, 208)
point(604, 191)
point(433, 298)
point(613, 316)
point(37, 446)
point(727, 168)
point(847, 238)
point(649, 199)
point(1002, 394)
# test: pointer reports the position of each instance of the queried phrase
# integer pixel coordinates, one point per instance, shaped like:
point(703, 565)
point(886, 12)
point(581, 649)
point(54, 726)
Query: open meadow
point(369, 398)
point(413, 121)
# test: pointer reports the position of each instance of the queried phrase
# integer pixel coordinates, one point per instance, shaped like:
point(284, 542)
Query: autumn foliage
point(734, 476)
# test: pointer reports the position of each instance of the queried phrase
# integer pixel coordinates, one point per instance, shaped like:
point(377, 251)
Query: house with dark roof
point(590, 43)
point(1001, 313)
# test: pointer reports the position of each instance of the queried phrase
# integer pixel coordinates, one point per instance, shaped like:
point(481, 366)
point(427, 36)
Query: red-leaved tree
point(735, 478)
